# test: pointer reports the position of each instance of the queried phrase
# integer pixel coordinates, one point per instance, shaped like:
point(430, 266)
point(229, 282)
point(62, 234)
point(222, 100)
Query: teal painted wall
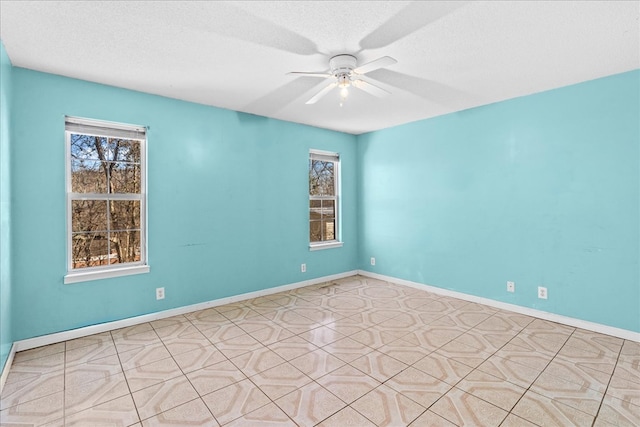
point(227, 202)
point(6, 339)
point(541, 190)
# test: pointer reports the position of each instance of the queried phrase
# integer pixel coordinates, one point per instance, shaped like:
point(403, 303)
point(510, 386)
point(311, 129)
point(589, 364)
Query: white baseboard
point(131, 321)
point(571, 321)
point(7, 365)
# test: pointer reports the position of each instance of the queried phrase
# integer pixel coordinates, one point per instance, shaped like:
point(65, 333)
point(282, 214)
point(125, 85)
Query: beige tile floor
point(354, 352)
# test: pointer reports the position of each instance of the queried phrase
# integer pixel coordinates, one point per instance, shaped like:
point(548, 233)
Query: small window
point(106, 199)
point(324, 192)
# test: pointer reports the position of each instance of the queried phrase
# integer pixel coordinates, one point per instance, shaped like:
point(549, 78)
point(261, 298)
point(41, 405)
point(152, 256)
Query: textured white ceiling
point(236, 55)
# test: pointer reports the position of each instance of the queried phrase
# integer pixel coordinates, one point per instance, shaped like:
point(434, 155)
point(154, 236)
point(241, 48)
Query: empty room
point(319, 213)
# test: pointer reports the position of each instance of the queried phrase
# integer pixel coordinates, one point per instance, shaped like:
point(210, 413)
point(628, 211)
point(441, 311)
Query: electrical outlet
point(511, 286)
point(542, 292)
point(159, 293)
point(373, 261)
point(303, 268)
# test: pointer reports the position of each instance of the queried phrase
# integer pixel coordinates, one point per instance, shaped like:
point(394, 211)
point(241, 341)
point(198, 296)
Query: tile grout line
point(171, 355)
point(311, 379)
point(604, 394)
point(383, 382)
point(509, 412)
point(125, 378)
point(460, 380)
point(187, 377)
point(538, 376)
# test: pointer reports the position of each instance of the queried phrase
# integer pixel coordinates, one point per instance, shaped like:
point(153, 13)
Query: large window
point(106, 199)
point(324, 192)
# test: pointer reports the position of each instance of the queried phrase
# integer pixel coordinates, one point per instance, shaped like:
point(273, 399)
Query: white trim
point(131, 321)
point(324, 245)
point(571, 321)
point(85, 276)
point(108, 129)
point(82, 122)
point(328, 156)
point(7, 365)
point(30, 343)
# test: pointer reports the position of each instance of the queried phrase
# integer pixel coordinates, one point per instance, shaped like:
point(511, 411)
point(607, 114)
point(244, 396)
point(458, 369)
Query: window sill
point(324, 245)
point(85, 276)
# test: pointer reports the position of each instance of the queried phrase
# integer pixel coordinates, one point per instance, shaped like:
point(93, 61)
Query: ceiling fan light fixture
point(343, 80)
point(343, 70)
point(344, 92)
point(343, 83)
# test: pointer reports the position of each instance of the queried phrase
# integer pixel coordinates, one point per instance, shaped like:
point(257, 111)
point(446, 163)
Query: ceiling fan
point(345, 73)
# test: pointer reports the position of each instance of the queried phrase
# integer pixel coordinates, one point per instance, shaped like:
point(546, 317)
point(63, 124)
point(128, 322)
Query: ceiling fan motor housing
point(342, 64)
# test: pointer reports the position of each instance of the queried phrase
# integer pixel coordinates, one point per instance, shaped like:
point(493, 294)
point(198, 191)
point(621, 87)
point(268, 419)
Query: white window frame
point(77, 125)
point(335, 158)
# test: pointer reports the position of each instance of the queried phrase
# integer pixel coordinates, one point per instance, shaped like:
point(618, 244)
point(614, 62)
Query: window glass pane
point(315, 209)
point(125, 214)
point(125, 246)
point(88, 176)
point(88, 215)
point(90, 147)
point(87, 147)
point(108, 152)
point(125, 178)
point(321, 178)
point(328, 228)
point(315, 231)
point(328, 209)
point(126, 150)
point(90, 249)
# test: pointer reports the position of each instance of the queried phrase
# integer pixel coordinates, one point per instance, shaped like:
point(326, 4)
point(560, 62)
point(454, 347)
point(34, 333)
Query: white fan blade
point(322, 93)
point(302, 73)
point(370, 88)
point(385, 61)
